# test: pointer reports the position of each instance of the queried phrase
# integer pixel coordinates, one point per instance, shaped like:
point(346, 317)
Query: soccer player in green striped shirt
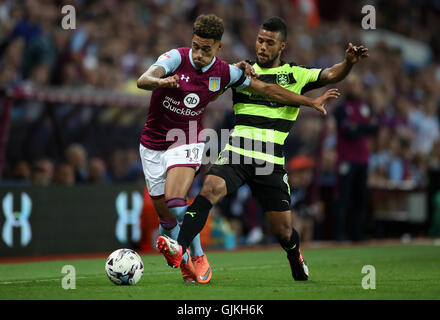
point(254, 153)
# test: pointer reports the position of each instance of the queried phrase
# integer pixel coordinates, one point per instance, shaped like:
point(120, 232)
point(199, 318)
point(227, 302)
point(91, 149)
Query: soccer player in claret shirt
point(183, 82)
point(264, 123)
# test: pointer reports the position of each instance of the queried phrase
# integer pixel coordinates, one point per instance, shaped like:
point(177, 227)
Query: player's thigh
point(222, 180)
point(181, 164)
point(178, 182)
point(154, 171)
point(272, 191)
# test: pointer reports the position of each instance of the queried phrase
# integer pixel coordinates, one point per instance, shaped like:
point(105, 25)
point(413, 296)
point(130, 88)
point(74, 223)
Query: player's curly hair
point(209, 26)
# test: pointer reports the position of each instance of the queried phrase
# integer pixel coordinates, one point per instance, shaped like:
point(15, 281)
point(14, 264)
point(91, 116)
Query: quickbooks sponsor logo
point(173, 105)
point(191, 100)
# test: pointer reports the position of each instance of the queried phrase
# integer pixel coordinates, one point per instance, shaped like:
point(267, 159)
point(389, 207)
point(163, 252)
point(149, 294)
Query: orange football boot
point(171, 250)
point(188, 271)
point(203, 269)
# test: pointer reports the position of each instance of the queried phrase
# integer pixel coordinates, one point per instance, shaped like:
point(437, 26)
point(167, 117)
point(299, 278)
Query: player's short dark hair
point(209, 26)
point(275, 24)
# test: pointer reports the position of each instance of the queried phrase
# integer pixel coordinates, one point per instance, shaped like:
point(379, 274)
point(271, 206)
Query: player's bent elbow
point(143, 83)
point(139, 83)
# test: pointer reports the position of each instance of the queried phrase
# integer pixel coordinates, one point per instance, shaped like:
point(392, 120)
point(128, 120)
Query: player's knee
point(213, 190)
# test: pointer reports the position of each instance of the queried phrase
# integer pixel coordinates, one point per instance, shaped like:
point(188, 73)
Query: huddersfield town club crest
point(214, 84)
point(282, 79)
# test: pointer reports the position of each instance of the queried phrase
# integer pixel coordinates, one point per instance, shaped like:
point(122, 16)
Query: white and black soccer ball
point(124, 267)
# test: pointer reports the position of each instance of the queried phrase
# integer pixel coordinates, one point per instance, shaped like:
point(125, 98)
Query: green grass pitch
point(402, 272)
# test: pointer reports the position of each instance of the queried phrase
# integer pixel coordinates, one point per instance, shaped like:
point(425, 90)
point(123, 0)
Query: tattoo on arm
point(149, 79)
point(156, 71)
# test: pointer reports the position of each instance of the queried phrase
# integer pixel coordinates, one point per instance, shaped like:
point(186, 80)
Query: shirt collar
point(204, 69)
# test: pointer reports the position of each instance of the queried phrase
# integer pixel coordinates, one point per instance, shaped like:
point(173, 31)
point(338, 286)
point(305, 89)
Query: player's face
point(268, 47)
point(204, 50)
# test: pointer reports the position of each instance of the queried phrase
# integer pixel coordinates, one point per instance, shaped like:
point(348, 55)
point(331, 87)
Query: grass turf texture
point(402, 272)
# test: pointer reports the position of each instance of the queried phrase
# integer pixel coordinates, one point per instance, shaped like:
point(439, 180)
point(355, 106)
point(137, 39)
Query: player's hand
point(169, 82)
point(248, 70)
point(355, 54)
point(318, 103)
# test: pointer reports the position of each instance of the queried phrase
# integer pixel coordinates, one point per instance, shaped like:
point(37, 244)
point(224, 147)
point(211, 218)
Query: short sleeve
point(170, 61)
point(313, 75)
point(308, 77)
point(238, 79)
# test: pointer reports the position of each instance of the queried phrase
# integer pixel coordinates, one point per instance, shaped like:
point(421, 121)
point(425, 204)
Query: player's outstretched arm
point(339, 71)
point(279, 94)
point(152, 79)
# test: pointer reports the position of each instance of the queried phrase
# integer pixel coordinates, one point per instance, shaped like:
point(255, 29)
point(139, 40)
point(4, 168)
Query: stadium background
point(71, 117)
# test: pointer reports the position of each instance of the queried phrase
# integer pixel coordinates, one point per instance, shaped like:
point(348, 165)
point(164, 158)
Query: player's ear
point(220, 45)
point(283, 45)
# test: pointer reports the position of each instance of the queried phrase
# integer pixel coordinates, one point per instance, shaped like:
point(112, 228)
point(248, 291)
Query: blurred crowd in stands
point(77, 168)
point(115, 41)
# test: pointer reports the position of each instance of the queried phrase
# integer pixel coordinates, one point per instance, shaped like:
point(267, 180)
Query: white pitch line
point(150, 273)
point(38, 280)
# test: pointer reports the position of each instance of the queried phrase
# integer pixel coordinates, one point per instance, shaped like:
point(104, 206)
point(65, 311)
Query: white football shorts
point(156, 163)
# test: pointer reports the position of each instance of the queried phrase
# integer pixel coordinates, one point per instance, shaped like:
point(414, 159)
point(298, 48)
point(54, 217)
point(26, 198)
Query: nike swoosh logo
point(294, 246)
point(206, 275)
point(192, 214)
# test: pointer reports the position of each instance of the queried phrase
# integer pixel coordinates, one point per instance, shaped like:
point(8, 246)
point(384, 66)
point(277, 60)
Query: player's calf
point(195, 218)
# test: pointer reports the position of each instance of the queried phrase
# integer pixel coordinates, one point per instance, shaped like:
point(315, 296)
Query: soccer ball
point(124, 267)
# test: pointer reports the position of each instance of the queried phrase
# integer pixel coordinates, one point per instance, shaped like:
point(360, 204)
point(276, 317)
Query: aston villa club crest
point(282, 79)
point(214, 84)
